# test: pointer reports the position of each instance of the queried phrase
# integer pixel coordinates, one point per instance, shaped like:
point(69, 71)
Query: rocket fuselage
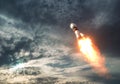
point(77, 34)
point(76, 31)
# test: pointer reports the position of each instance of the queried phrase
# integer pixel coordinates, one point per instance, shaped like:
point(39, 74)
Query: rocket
point(76, 31)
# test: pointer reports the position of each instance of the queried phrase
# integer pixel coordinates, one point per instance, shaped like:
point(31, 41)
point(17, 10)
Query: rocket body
point(76, 31)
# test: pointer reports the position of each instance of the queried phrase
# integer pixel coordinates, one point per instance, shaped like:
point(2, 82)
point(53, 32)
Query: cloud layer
point(36, 43)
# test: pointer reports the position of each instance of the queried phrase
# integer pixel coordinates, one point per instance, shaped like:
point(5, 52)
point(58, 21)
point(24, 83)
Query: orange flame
point(92, 55)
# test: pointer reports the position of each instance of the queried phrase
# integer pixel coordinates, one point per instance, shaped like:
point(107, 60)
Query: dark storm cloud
point(43, 11)
point(59, 12)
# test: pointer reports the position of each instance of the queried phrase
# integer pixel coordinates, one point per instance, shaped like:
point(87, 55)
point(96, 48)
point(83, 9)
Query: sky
point(97, 17)
point(32, 29)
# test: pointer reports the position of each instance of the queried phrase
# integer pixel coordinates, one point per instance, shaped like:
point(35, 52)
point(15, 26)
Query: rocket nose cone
point(72, 25)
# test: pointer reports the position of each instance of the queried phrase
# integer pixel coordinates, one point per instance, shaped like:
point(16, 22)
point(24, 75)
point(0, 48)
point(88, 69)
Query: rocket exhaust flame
point(90, 52)
point(91, 55)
